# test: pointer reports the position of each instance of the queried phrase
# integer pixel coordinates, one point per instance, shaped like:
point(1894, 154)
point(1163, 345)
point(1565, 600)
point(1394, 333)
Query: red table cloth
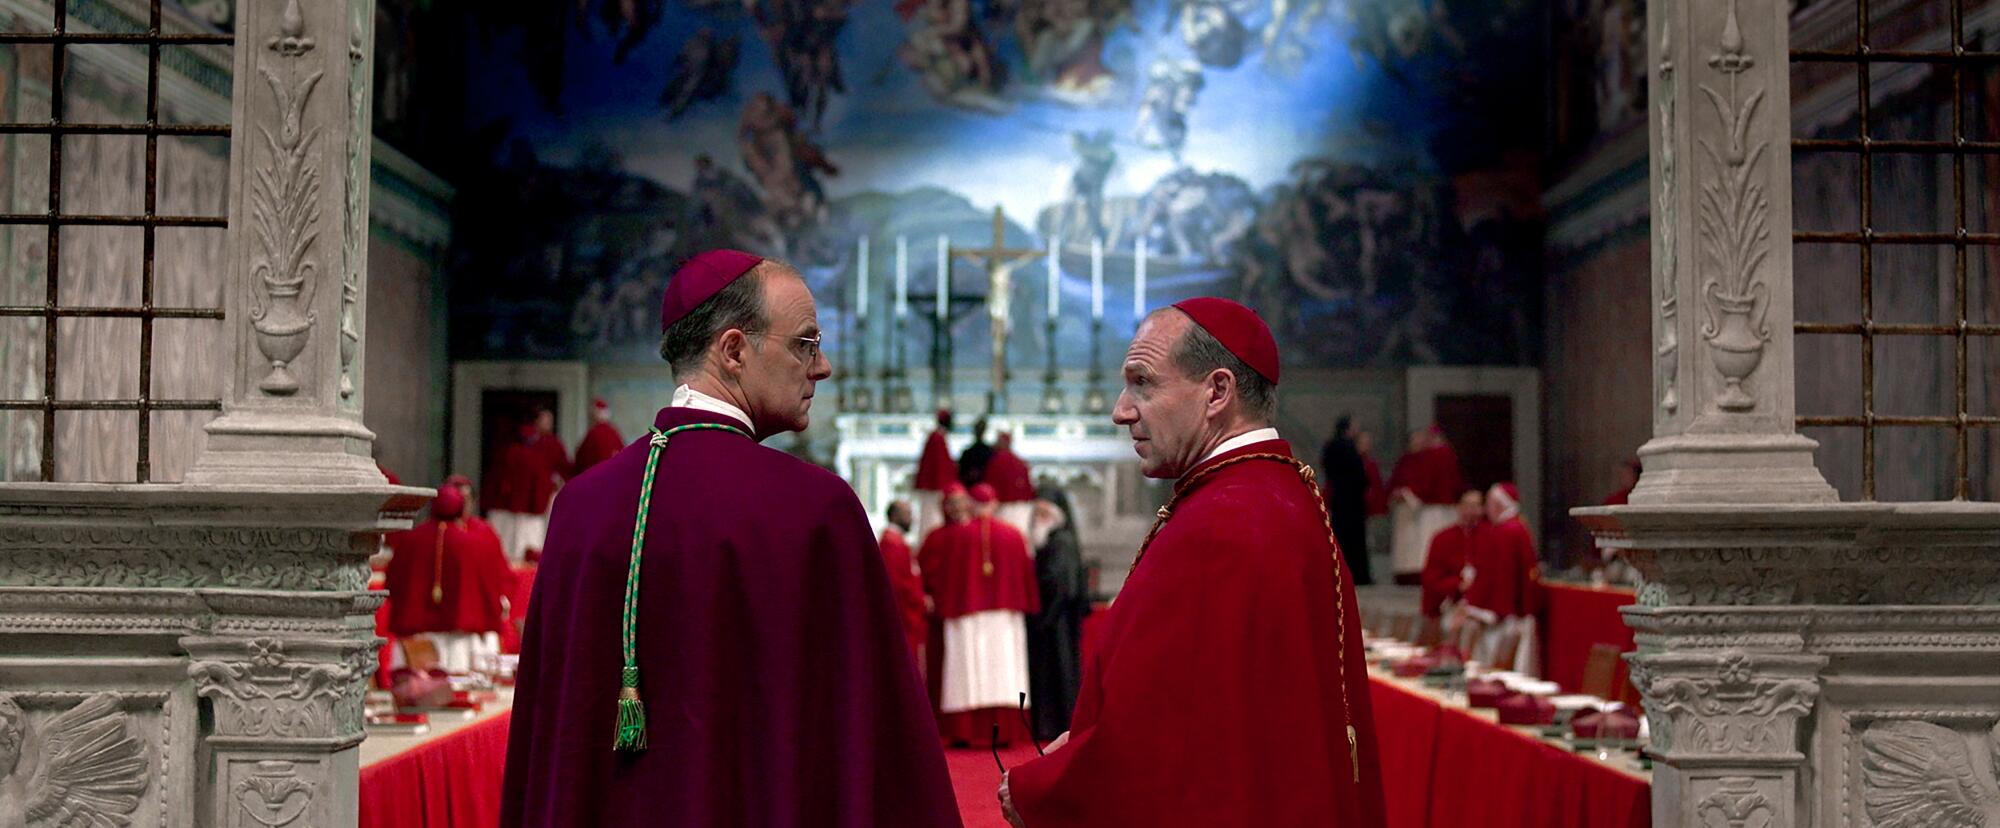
point(1575, 617)
point(452, 781)
point(1443, 767)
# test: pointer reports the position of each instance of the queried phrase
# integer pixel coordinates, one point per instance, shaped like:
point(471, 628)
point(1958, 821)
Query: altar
point(1085, 454)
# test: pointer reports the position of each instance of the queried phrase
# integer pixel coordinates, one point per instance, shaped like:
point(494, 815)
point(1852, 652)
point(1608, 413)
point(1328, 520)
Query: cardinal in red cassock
point(1503, 583)
point(1426, 482)
point(1228, 687)
point(1444, 564)
point(982, 580)
point(600, 442)
point(1008, 474)
point(936, 472)
point(448, 579)
point(904, 581)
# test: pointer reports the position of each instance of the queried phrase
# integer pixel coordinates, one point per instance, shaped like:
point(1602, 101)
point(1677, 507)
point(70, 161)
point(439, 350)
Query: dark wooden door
point(1481, 428)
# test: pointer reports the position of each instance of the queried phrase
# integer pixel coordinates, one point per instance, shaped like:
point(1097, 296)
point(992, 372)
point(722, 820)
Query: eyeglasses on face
point(812, 343)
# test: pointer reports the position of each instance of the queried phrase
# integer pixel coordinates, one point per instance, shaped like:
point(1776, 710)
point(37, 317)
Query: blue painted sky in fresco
point(887, 134)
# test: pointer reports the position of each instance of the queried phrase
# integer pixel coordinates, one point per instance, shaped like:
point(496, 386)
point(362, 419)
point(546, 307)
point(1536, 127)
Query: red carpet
point(977, 782)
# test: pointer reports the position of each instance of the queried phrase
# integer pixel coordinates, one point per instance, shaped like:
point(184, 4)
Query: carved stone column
point(1722, 259)
point(298, 242)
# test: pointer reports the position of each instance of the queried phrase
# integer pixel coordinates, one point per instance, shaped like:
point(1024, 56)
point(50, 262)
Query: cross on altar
point(1000, 261)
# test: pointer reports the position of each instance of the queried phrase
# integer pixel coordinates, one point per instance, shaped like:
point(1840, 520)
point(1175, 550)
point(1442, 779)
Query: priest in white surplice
point(982, 581)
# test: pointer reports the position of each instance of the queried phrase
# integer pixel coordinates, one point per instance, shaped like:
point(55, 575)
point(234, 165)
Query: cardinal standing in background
point(1010, 478)
point(982, 580)
point(936, 472)
point(600, 442)
point(448, 581)
point(1229, 686)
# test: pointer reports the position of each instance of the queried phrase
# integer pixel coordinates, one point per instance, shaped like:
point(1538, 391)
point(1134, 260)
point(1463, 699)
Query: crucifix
point(1000, 261)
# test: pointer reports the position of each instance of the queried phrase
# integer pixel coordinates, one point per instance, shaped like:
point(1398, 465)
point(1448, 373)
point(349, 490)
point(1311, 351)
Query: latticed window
point(1897, 259)
point(114, 145)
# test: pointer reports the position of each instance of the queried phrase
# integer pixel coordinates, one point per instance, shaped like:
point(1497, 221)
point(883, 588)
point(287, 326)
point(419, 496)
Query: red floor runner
point(975, 780)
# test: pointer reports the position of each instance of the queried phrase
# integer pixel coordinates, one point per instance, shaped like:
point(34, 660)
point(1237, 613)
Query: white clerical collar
point(1241, 440)
point(685, 397)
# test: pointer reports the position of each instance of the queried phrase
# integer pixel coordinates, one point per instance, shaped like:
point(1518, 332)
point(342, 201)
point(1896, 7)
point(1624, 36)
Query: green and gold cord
point(631, 734)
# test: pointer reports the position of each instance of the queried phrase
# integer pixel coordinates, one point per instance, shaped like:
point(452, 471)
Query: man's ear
point(728, 351)
point(1220, 386)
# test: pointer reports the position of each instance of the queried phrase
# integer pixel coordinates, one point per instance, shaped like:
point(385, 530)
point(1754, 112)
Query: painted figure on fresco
point(726, 210)
point(802, 34)
point(786, 165)
point(701, 72)
point(1214, 31)
point(1095, 158)
point(1195, 217)
point(1171, 87)
point(951, 55)
point(1064, 44)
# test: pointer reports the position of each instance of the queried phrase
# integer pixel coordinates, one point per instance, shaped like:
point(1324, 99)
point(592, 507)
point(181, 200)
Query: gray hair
point(739, 305)
point(1199, 354)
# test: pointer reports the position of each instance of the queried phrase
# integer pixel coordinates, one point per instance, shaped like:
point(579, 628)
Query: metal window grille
point(54, 219)
point(1957, 58)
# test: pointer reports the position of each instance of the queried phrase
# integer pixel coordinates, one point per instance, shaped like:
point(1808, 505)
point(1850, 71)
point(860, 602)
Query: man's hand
point(1007, 803)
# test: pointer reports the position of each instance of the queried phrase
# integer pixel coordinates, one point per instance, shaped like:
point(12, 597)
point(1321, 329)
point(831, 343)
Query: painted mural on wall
point(1362, 171)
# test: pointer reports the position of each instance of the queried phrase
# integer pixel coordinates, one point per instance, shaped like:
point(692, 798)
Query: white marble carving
point(1922, 775)
point(80, 768)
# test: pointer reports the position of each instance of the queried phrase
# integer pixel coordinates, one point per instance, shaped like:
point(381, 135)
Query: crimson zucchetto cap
point(1240, 330)
point(985, 493)
point(700, 279)
point(449, 503)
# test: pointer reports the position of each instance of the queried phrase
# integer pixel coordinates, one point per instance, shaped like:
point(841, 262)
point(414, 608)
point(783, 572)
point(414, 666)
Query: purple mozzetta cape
point(779, 689)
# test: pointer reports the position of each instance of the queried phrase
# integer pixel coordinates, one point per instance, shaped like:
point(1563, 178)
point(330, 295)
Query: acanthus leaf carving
point(354, 250)
point(81, 767)
point(1735, 710)
point(1668, 351)
point(285, 214)
point(1734, 229)
point(273, 695)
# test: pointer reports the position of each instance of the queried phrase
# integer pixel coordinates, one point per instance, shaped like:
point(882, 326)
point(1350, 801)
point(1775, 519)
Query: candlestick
point(1139, 280)
point(861, 279)
point(1055, 280)
point(902, 277)
point(1097, 278)
point(944, 278)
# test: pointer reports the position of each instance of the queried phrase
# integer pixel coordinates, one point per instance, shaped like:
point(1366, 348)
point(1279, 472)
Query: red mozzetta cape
point(1377, 496)
point(1211, 700)
point(1444, 563)
point(1008, 474)
point(1432, 475)
point(1507, 574)
point(475, 576)
point(599, 444)
point(778, 684)
point(907, 586)
point(524, 480)
point(935, 469)
point(954, 567)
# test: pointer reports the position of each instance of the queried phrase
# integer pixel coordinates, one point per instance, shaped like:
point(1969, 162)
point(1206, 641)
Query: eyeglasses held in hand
point(1026, 720)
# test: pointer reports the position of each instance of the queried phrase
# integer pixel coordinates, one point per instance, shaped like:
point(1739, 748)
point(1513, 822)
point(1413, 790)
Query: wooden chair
point(1510, 643)
point(1600, 672)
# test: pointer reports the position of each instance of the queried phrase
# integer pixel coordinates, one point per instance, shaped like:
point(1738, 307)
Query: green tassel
point(631, 715)
point(631, 725)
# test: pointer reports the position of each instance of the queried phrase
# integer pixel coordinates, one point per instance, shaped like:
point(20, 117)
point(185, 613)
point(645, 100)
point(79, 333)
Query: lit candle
point(902, 277)
point(1055, 280)
point(861, 280)
point(944, 278)
point(1139, 280)
point(1096, 279)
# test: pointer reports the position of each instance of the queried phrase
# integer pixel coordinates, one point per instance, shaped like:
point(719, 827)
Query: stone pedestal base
point(1833, 665)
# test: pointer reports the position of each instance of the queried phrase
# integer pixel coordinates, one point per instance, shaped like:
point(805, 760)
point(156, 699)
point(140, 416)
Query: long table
point(1444, 766)
point(447, 778)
